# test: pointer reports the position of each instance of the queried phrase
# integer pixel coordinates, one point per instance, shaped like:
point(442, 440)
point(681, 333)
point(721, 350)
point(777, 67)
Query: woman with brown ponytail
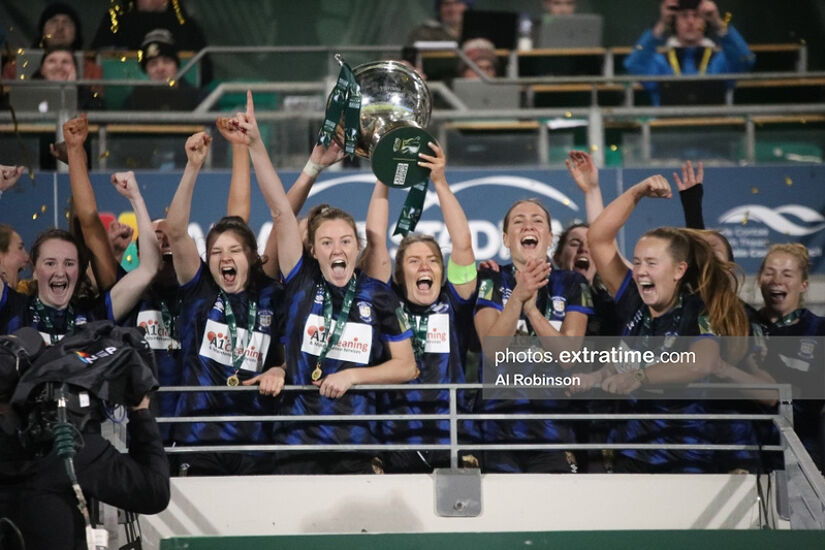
point(677, 287)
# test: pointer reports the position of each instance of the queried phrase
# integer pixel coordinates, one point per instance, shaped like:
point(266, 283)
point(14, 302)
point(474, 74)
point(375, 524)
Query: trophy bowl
point(395, 108)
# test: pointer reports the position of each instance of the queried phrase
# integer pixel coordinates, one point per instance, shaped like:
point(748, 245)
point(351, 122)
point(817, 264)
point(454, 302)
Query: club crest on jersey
point(806, 348)
point(265, 318)
point(319, 295)
point(559, 302)
point(365, 311)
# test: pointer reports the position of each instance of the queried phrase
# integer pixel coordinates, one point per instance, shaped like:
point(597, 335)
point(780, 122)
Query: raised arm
point(319, 159)
point(104, 265)
point(586, 175)
point(461, 267)
point(127, 291)
point(285, 225)
point(375, 259)
point(184, 250)
point(240, 194)
point(690, 193)
point(9, 176)
point(602, 233)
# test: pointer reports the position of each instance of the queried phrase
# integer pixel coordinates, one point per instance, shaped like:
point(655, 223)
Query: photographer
point(36, 493)
point(687, 50)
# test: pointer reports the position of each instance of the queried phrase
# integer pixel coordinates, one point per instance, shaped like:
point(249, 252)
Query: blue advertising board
point(752, 206)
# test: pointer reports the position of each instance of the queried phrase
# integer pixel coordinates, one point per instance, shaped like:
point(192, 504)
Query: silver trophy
point(395, 107)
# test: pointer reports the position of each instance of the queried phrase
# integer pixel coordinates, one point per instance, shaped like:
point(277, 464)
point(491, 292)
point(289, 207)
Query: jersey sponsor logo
point(438, 333)
point(354, 345)
point(157, 333)
point(216, 345)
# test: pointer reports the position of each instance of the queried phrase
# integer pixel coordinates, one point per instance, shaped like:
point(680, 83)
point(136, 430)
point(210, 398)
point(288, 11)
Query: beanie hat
point(157, 43)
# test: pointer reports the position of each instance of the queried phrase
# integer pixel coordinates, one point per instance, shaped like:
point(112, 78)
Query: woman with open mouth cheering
point(530, 298)
point(438, 304)
point(227, 328)
point(676, 288)
point(342, 328)
point(64, 297)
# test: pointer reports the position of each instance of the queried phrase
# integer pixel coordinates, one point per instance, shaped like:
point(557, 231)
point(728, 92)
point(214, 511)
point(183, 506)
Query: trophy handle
point(340, 59)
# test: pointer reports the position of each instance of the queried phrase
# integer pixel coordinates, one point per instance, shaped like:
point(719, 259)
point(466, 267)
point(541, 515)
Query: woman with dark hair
point(677, 287)
point(227, 329)
point(529, 298)
point(438, 302)
point(341, 327)
point(63, 296)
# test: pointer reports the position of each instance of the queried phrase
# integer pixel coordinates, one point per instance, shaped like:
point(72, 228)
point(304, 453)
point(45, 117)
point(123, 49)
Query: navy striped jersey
point(207, 355)
point(449, 327)
point(605, 320)
point(804, 370)
point(19, 310)
point(157, 314)
point(566, 291)
point(687, 318)
point(375, 319)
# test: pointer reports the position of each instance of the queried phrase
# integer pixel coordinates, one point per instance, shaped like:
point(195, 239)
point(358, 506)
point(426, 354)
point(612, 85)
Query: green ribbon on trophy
point(412, 209)
point(345, 95)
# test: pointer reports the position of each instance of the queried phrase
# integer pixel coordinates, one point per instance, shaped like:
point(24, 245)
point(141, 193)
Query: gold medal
point(232, 380)
point(317, 373)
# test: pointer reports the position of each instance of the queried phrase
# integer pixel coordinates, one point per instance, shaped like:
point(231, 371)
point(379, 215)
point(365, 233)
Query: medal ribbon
point(345, 95)
point(419, 325)
point(335, 335)
point(47, 320)
point(233, 329)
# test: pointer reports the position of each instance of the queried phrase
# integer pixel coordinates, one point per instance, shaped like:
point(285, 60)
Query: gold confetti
point(34, 216)
point(22, 77)
point(746, 217)
point(171, 82)
point(594, 148)
point(19, 51)
point(25, 63)
point(123, 59)
point(568, 114)
point(43, 208)
point(566, 202)
point(614, 147)
point(95, 95)
point(755, 190)
point(788, 181)
point(104, 155)
point(129, 258)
